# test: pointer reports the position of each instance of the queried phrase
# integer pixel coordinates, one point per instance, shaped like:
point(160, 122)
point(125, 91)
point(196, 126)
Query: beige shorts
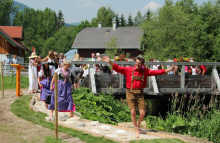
point(135, 98)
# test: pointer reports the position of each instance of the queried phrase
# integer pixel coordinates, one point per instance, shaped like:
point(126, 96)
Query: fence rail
point(161, 84)
point(175, 83)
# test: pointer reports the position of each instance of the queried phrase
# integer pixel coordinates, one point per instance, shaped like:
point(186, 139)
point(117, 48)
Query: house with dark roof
point(10, 44)
point(98, 39)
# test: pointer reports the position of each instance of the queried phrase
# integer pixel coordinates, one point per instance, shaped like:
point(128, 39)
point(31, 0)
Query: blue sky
point(78, 10)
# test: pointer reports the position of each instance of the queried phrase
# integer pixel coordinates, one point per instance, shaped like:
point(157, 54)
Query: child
point(65, 83)
point(44, 81)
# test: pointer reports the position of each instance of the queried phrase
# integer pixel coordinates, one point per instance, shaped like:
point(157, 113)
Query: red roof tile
point(13, 31)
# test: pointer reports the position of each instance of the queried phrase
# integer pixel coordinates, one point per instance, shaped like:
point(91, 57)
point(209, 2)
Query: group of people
point(41, 77)
point(136, 80)
point(189, 70)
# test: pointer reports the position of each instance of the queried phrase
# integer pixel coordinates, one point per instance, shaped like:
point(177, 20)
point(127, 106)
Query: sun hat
point(33, 55)
point(66, 62)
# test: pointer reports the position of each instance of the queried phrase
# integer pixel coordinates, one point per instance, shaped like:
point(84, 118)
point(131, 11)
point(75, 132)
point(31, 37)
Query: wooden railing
point(164, 84)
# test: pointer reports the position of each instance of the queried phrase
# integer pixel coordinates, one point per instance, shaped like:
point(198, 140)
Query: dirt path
point(17, 130)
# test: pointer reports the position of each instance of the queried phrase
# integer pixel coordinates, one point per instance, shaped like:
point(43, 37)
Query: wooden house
point(10, 44)
point(96, 40)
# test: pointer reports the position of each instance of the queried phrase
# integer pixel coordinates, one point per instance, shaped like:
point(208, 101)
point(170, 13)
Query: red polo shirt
point(137, 84)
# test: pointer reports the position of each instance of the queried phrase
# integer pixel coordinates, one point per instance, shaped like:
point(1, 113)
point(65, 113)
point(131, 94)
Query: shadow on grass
point(21, 108)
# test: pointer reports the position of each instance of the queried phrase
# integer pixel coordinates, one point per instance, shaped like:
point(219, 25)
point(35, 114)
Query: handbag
point(48, 99)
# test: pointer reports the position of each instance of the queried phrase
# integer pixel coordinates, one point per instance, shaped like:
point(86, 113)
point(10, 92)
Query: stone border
point(124, 132)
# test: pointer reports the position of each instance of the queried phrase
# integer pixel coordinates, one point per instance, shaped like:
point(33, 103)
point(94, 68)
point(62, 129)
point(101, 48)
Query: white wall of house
point(7, 59)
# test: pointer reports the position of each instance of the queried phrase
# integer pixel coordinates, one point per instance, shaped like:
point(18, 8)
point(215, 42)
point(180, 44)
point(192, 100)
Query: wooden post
point(154, 84)
point(92, 78)
point(182, 83)
point(18, 78)
point(2, 78)
point(216, 77)
point(56, 105)
point(121, 81)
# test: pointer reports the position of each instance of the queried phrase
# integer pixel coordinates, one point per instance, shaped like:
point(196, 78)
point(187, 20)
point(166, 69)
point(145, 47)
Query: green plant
point(112, 47)
point(206, 127)
point(103, 108)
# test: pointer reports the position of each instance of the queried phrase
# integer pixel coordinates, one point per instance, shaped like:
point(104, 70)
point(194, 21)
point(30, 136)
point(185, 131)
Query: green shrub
point(102, 108)
point(206, 127)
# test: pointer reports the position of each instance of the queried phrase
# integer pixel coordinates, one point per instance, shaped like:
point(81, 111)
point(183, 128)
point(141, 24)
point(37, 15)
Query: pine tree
point(130, 21)
point(6, 8)
point(138, 18)
point(148, 15)
point(117, 20)
point(60, 20)
point(122, 20)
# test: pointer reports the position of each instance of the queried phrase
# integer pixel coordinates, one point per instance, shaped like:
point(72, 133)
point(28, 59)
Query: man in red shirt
point(202, 69)
point(136, 79)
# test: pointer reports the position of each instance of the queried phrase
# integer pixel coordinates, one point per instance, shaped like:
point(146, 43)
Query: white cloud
point(88, 3)
point(152, 6)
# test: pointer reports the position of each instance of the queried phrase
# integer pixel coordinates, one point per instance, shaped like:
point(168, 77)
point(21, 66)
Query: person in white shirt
point(32, 72)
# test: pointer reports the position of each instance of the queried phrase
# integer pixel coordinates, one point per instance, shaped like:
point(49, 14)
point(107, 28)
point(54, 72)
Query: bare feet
point(71, 115)
point(137, 130)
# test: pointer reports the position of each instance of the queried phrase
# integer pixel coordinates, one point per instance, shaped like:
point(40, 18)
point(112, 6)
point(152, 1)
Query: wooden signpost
point(2, 78)
point(18, 78)
point(56, 105)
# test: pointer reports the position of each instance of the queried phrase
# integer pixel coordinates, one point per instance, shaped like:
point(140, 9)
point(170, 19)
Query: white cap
point(97, 54)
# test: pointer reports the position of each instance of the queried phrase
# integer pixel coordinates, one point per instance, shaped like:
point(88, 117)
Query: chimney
point(114, 25)
point(99, 25)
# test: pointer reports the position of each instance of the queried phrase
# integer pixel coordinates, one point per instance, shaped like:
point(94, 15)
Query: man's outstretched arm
point(115, 67)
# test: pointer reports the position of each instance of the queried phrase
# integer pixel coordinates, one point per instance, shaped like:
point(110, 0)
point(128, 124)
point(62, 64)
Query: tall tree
point(94, 22)
point(148, 15)
point(117, 20)
point(60, 20)
point(38, 26)
point(122, 20)
point(105, 16)
point(62, 40)
point(6, 8)
point(166, 35)
point(138, 18)
point(188, 6)
point(112, 47)
point(130, 21)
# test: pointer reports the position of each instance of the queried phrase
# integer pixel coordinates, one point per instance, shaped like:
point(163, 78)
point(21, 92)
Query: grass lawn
point(159, 141)
point(50, 139)
point(10, 82)
point(21, 108)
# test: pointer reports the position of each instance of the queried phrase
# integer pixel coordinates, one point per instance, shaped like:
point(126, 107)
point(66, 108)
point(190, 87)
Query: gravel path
point(124, 132)
point(17, 130)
